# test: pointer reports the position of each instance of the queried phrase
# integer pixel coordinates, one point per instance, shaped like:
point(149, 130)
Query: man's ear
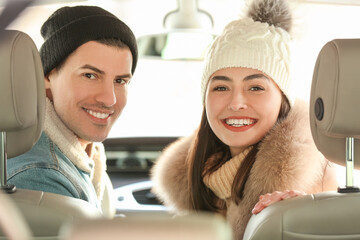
point(47, 87)
point(47, 82)
point(47, 79)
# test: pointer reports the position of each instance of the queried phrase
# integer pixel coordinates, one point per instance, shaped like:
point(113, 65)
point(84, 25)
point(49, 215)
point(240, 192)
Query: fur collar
point(69, 144)
point(287, 159)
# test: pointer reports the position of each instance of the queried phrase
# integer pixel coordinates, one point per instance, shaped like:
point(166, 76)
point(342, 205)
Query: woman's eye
point(90, 75)
point(256, 88)
point(220, 88)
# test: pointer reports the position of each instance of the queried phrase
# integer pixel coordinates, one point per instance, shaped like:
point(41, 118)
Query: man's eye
point(121, 81)
point(89, 75)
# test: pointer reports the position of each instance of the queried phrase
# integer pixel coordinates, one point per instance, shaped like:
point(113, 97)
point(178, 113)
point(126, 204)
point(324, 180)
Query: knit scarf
point(220, 181)
point(69, 144)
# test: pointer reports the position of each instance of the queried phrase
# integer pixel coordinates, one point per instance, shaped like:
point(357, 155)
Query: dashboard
point(129, 161)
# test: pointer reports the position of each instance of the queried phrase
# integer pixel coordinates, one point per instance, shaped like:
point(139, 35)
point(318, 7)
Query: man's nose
point(106, 94)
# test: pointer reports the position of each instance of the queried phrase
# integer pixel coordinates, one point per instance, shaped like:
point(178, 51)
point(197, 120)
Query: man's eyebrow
point(95, 69)
point(255, 76)
point(126, 75)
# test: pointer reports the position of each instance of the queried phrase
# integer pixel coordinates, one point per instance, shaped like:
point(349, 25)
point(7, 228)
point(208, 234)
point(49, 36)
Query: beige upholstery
point(45, 213)
point(334, 116)
point(336, 82)
point(323, 216)
point(22, 102)
point(15, 227)
point(151, 226)
point(22, 92)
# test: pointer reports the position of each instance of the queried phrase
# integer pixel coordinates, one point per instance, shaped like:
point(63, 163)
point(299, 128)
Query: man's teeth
point(239, 122)
point(98, 115)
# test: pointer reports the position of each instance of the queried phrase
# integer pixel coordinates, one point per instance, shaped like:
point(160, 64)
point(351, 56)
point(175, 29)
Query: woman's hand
point(271, 198)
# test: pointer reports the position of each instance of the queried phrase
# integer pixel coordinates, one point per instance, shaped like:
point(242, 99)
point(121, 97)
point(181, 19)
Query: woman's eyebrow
point(255, 76)
point(247, 78)
point(220, 77)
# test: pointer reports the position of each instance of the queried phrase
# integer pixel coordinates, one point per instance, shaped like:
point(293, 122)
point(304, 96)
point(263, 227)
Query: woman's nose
point(238, 102)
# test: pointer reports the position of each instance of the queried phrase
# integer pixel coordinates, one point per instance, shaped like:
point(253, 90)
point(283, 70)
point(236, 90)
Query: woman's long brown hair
point(206, 144)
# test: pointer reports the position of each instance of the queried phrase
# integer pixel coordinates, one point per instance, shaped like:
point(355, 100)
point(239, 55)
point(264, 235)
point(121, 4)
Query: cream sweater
point(69, 144)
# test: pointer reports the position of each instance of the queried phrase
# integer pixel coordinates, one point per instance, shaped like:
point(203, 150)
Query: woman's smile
point(239, 124)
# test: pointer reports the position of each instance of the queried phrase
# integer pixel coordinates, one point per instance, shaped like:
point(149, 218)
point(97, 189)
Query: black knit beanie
point(69, 27)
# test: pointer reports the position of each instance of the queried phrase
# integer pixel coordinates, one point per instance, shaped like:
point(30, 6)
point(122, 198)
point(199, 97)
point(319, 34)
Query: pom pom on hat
point(258, 41)
point(69, 27)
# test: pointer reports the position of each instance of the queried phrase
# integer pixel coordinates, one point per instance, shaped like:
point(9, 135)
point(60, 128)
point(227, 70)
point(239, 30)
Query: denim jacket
point(46, 168)
point(59, 164)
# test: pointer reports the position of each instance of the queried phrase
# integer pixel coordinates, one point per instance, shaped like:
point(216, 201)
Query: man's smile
point(99, 115)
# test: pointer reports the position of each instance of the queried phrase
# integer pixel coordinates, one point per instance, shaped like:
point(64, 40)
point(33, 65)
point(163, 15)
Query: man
point(89, 57)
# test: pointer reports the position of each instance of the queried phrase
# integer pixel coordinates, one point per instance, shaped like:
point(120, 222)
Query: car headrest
point(334, 99)
point(22, 92)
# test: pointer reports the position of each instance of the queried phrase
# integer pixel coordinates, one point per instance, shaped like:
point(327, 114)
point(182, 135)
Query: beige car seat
point(151, 226)
point(22, 105)
point(335, 126)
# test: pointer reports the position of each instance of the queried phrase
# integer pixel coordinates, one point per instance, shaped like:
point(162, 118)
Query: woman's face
point(242, 105)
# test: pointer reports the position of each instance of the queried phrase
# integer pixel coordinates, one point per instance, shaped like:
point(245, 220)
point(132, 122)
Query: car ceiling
point(177, 83)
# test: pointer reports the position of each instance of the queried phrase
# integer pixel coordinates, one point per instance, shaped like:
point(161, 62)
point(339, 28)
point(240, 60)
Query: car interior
point(128, 166)
point(42, 215)
point(130, 210)
point(334, 124)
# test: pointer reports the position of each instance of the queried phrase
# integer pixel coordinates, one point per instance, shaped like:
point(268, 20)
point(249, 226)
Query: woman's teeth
point(239, 122)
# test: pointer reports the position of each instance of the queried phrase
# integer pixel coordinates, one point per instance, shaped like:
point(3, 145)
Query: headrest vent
point(319, 109)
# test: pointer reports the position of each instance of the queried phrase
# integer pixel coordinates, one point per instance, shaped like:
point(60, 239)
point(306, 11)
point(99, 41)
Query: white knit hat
point(252, 44)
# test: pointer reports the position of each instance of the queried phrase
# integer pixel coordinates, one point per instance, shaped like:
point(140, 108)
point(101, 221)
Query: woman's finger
point(271, 198)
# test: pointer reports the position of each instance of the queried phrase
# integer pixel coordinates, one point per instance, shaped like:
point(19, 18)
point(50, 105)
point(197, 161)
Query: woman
point(252, 138)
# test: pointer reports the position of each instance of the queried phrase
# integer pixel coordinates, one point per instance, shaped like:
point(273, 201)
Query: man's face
point(89, 92)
